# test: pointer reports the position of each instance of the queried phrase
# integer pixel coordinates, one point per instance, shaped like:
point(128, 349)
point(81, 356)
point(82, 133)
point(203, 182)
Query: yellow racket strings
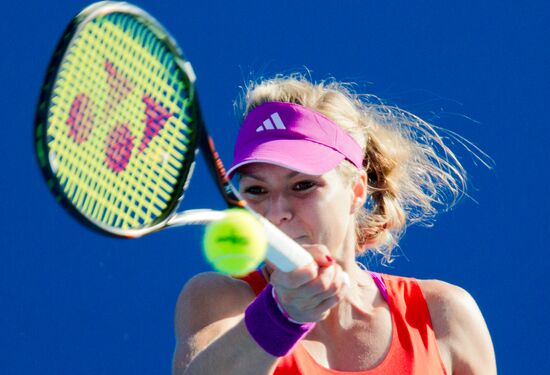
point(118, 127)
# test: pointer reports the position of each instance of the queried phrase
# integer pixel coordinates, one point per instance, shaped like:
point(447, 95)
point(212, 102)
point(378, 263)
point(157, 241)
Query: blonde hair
point(410, 170)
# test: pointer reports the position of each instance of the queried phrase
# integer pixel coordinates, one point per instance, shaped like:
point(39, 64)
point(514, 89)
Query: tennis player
point(341, 175)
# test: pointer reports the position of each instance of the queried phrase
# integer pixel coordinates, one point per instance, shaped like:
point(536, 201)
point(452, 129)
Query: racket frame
point(47, 165)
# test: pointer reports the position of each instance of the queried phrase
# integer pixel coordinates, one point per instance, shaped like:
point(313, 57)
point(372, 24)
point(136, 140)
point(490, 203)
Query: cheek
point(257, 206)
point(328, 218)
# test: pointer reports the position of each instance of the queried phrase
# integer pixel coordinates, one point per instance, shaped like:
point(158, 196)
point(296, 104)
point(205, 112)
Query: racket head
point(118, 123)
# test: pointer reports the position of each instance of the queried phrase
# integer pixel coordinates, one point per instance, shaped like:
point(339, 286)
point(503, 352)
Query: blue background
point(76, 302)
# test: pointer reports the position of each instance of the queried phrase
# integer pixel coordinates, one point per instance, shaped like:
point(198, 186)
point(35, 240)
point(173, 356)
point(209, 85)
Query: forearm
point(234, 352)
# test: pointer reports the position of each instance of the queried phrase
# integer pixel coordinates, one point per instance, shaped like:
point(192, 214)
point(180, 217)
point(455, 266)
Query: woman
point(340, 175)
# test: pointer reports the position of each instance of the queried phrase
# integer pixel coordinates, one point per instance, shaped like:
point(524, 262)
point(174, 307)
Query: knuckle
point(303, 275)
point(289, 280)
point(310, 272)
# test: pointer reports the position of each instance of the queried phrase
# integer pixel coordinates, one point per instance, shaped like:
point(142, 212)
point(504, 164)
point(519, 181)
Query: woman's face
point(309, 209)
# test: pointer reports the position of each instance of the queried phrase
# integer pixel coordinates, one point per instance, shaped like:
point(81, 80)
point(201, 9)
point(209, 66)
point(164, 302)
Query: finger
point(325, 282)
point(294, 279)
point(321, 254)
point(341, 278)
point(322, 310)
point(303, 303)
point(309, 295)
point(323, 258)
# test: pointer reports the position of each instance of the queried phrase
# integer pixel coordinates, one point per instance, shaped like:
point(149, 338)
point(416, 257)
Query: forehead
point(272, 172)
point(262, 170)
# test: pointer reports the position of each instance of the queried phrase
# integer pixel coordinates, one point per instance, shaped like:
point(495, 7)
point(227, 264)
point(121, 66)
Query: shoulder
point(460, 328)
point(209, 305)
point(210, 297)
point(451, 307)
point(447, 299)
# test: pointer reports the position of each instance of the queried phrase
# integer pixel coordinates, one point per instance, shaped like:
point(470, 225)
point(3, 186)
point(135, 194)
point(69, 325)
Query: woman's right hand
point(308, 293)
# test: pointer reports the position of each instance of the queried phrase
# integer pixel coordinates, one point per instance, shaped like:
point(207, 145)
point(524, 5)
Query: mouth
point(301, 240)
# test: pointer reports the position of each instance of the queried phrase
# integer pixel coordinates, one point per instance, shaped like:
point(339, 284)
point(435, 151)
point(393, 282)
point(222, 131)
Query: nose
point(278, 209)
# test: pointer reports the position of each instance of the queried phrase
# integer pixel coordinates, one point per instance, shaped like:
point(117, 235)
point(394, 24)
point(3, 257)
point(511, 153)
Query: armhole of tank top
point(256, 280)
point(439, 356)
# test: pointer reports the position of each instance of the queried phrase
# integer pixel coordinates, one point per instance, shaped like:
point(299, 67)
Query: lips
point(302, 240)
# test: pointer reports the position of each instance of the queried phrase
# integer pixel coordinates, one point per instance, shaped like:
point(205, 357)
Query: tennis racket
point(118, 127)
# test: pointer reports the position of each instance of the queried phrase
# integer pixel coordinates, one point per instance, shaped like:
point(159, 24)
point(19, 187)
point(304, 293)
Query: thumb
point(321, 255)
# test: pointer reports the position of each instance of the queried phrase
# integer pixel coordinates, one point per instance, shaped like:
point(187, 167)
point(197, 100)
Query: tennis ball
point(236, 244)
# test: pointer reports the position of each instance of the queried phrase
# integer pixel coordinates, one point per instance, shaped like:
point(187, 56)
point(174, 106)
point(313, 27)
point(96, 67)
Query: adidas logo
point(268, 124)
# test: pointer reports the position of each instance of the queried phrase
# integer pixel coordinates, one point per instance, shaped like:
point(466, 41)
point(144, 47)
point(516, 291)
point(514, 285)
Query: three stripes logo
point(274, 122)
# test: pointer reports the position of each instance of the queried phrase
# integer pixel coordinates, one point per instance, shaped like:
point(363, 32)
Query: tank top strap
point(380, 284)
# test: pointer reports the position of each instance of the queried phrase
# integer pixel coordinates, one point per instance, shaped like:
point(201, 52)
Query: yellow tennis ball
point(236, 244)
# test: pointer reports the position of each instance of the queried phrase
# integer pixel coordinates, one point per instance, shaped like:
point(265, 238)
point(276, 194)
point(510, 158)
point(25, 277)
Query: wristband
point(270, 328)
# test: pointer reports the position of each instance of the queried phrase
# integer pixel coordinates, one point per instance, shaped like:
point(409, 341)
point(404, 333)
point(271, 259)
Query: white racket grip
point(283, 251)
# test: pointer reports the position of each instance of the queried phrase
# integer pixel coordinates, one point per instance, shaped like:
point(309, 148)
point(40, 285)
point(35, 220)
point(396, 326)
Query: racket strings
point(119, 127)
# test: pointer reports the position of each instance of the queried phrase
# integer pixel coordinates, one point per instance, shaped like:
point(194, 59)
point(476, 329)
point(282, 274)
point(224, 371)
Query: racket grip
point(283, 251)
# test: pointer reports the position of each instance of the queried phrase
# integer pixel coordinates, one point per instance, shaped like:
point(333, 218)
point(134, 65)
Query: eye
point(304, 185)
point(255, 190)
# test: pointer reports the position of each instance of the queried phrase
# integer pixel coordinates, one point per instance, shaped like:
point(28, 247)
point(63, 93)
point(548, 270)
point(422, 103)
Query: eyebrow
point(258, 177)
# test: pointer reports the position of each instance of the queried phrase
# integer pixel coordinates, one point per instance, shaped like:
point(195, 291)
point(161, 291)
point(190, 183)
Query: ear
point(359, 191)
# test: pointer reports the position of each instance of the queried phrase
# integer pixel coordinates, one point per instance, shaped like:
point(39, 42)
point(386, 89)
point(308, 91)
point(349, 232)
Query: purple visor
point(294, 137)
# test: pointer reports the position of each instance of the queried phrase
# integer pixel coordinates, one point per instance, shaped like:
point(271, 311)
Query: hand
point(308, 293)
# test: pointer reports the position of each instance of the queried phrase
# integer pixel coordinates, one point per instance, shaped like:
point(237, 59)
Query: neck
point(360, 300)
point(362, 296)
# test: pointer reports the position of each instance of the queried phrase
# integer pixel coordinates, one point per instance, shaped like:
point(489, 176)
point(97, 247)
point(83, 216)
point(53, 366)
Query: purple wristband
point(269, 327)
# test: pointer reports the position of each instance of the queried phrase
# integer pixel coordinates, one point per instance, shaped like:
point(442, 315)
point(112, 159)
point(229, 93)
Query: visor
point(295, 137)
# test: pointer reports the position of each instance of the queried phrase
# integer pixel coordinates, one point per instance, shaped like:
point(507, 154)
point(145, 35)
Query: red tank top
point(413, 348)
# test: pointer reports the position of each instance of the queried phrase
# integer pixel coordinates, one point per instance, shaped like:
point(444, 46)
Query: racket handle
point(282, 251)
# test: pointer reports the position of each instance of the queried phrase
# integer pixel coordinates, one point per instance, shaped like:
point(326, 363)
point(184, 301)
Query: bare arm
point(211, 337)
point(462, 334)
